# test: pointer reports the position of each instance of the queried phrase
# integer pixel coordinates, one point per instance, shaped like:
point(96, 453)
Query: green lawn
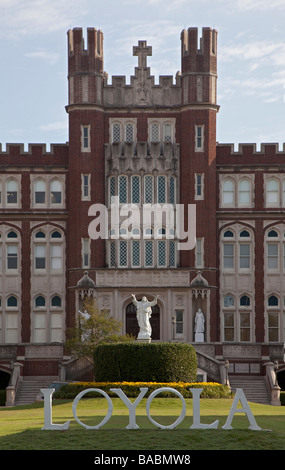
point(20, 427)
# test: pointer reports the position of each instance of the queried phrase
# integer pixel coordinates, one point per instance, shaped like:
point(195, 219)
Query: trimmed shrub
point(145, 362)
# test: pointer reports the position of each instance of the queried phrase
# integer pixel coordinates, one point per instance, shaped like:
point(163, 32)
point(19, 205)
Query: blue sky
point(251, 59)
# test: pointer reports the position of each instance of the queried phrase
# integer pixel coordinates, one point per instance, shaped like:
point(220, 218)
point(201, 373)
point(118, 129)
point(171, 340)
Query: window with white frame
point(48, 251)
point(40, 191)
point(199, 253)
point(273, 318)
point(85, 252)
point(273, 248)
point(11, 320)
point(237, 247)
point(199, 186)
point(55, 192)
point(237, 319)
point(85, 138)
point(244, 192)
point(179, 322)
point(199, 138)
point(161, 130)
point(12, 190)
point(272, 192)
point(244, 249)
point(85, 187)
point(122, 130)
point(228, 191)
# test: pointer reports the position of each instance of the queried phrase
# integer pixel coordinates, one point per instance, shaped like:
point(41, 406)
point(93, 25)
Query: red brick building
point(144, 142)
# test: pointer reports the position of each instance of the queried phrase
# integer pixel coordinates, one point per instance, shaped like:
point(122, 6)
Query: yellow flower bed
point(132, 389)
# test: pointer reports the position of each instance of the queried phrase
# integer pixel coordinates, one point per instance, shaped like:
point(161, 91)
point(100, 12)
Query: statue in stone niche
point(199, 326)
point(143, 316)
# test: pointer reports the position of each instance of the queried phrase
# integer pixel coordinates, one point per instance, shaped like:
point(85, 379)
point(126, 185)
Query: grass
point(20, 427)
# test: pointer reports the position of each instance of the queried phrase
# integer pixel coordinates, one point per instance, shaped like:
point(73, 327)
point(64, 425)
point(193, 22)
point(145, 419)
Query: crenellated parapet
point(85, 66)
point(247, 153)
point(199, 66)
point(36, 154)
point(142, 90)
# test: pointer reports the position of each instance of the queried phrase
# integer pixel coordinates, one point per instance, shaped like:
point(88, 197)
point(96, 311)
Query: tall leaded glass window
point(112, 189)
point(123, 253)
point(148, 189)
point(122, 189)
point(172, 254)
point(136, 254)
point(154, 136)
point(112, 254)
point(161, 189)
point(129, 133)
point(116, 133)
point(167, 132)
point(148, 253)
point(172, 190)
point(136, 190)
point(161, 253)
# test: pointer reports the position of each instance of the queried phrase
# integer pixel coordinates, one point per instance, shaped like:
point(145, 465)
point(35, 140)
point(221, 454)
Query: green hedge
point(145, 362)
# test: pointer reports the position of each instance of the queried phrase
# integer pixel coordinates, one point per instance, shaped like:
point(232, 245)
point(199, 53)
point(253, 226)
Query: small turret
point(199, 66)
point(85, 66)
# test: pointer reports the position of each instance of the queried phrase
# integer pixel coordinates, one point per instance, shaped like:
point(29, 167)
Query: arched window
point(12, 301)
point(56, 192)
point(229, 301)
point(228, 192)
point(272, 192)
point(245, 301)
point(40, 301)
point(228, 234)
point(40, 192)
point(12, 192)
point(273, 301)
point(56, 301)
point(244, 192)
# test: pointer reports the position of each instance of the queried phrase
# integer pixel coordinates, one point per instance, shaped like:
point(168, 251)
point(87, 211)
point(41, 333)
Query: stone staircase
point(254, 388)
point(30, 387)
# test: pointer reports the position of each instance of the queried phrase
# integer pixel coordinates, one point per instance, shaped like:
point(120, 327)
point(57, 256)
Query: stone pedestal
point(199, 337)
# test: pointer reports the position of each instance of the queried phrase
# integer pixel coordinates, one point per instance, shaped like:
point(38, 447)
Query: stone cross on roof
point(142, 51)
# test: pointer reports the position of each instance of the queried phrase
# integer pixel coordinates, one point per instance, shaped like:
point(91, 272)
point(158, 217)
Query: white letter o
point(182, 414)
point(109, 412)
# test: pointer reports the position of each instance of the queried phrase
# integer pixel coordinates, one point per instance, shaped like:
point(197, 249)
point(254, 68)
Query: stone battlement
point(58, 153)
point(250, 149)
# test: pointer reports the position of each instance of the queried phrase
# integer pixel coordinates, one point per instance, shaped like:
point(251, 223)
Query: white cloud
point(50, 57)
point(38, 16)
point(54, 126)
point(246, 5)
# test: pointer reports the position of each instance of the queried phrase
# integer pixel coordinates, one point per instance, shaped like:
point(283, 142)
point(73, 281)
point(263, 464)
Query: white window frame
point(85, 138)
point(85, 195)
point(199, 137)
point(200, 184)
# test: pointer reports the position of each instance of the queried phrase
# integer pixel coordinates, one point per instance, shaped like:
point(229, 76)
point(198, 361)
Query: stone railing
point(11, 390)
point(272, 384)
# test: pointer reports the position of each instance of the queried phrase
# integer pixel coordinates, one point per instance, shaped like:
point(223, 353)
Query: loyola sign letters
point(196, 392)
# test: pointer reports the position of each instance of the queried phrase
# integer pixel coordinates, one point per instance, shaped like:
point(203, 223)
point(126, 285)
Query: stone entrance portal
point(132, 327)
